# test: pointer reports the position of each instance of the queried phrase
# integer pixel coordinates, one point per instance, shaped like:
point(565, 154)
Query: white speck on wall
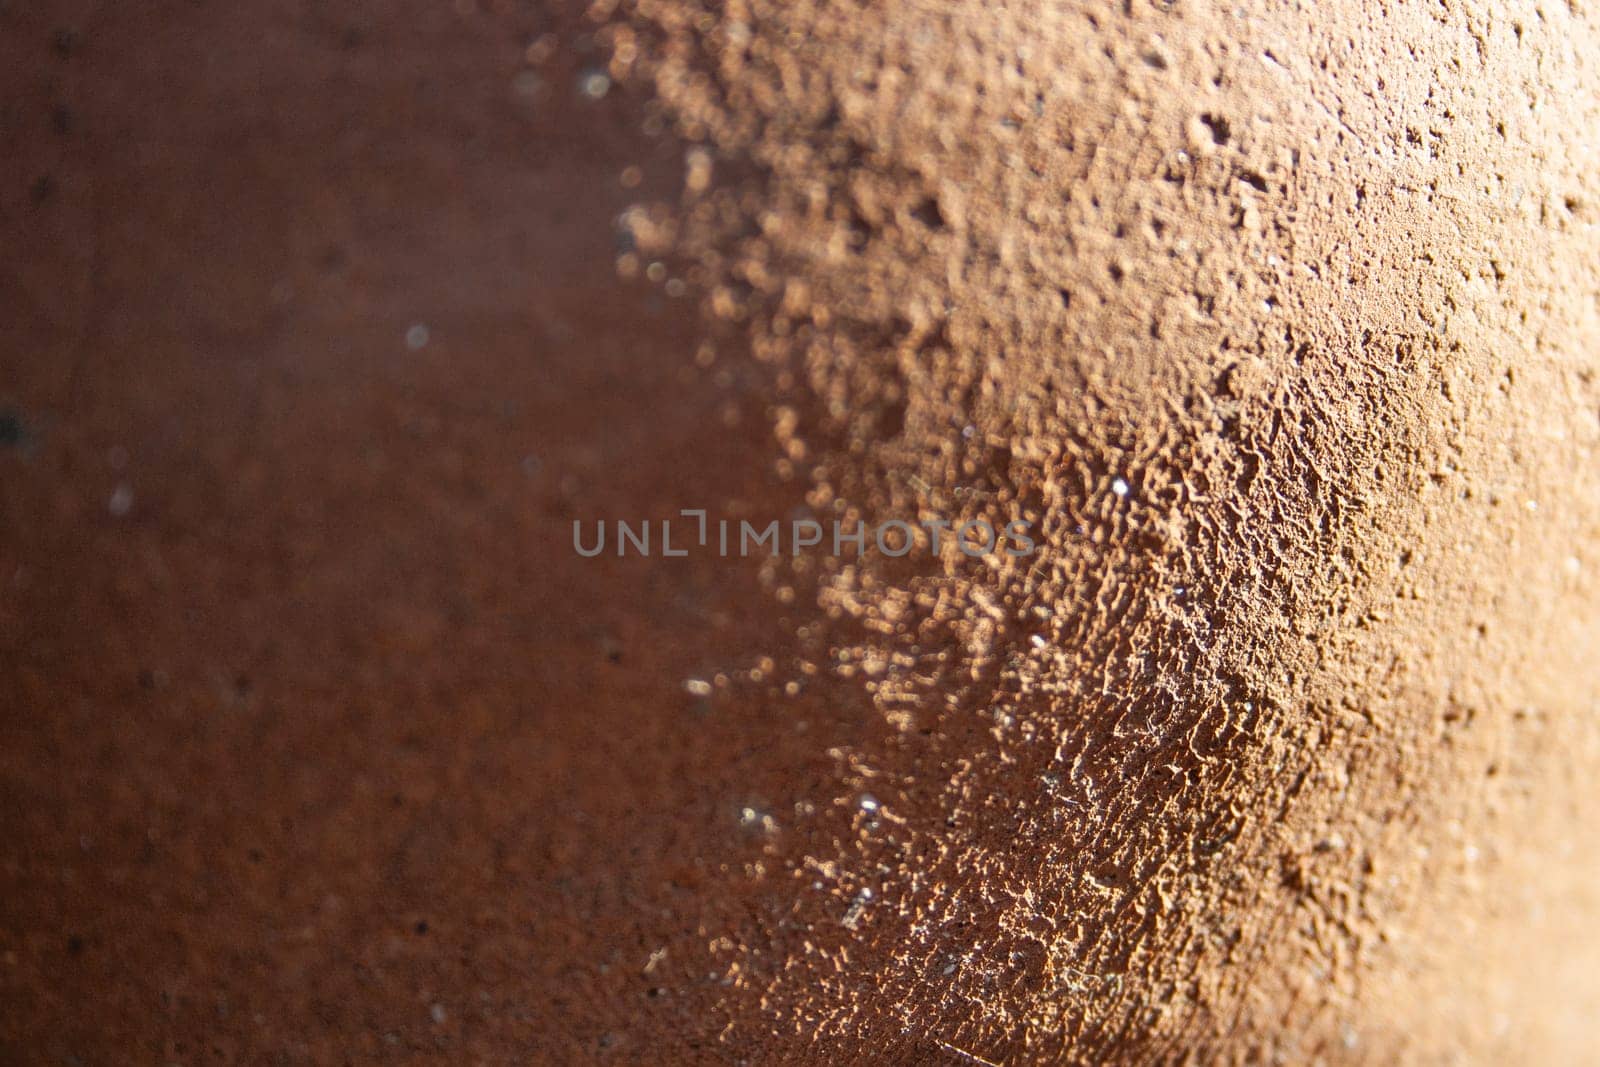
point(417, 336)
point(1119, 487)
point(121, 501)
point(852, 916)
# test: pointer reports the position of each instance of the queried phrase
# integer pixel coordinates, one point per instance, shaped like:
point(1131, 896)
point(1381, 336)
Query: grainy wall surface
point(322, 324)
